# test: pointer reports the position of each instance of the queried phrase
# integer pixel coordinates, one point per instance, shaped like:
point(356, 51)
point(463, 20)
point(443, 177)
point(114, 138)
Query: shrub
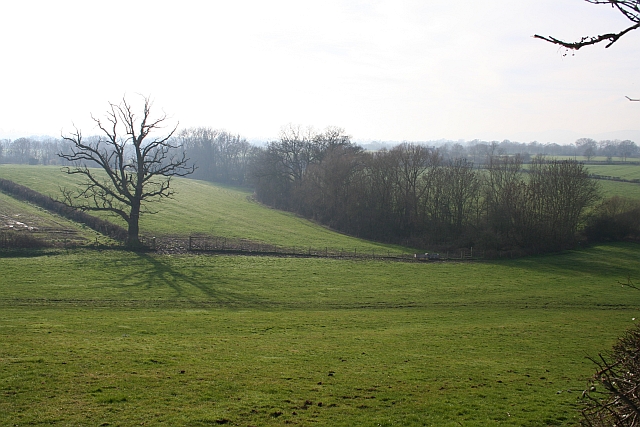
point(612, 398)
point(10, 239)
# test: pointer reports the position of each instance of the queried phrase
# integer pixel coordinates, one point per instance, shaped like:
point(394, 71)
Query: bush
point(613, 395)
point(20, 240)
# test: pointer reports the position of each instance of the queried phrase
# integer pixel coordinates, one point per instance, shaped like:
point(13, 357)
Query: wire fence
point(225, 245)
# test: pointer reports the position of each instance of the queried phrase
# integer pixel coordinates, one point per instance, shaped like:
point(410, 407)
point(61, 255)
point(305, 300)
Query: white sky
point(381, 69)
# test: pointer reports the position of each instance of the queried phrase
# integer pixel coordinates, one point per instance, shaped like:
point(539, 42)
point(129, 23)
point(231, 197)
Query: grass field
point(115, 338)
point(210, 208)
point(93, 337)
point(623, 189)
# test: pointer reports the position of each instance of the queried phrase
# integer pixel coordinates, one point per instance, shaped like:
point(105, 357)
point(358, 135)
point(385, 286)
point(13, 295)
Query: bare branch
point(629, 8)
point(589, 40)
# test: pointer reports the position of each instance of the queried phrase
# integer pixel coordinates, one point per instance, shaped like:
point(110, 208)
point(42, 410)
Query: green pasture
point(623, 189)
point(202, 207)
point(117, 338)
point(628, 172)
point(602, 159)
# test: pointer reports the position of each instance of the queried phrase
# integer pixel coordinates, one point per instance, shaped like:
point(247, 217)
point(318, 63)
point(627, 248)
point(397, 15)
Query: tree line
point(586, 148)
point(623, 150)
point(33, 151)
point(415, 195)
point(225, 157)
point(220, 155)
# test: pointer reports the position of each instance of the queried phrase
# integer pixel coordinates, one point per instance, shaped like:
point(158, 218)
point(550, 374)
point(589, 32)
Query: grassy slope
point(228, 212)
point(212, 209)
point(119, 338)
point(50, 227)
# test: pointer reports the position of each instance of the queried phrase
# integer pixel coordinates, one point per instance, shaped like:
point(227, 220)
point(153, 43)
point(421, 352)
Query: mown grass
point(202, 207)
point(91, 337)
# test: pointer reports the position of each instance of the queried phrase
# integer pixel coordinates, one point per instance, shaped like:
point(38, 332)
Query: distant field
point(615, 188)
point(625, 171)
point(621, 171)
point(202, 207)
point(593, 159)
point(623, 189)
point(114, 338)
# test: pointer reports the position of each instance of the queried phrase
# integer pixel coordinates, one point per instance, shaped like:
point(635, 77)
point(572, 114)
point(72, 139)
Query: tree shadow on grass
point(28, 253)
point(156, 271)
point(615, 261)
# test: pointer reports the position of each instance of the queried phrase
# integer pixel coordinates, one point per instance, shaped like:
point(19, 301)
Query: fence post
point(189, 242)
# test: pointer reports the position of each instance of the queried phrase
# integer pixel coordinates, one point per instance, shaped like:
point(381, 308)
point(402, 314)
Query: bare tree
point(629, 8)
point(587, 146)
point(125, 167)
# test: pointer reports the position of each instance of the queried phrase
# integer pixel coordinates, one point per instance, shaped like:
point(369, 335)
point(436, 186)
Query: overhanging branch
point(629, 8)
point(589, 40)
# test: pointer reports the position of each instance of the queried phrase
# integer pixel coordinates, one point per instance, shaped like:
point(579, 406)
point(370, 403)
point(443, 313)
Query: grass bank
point(202, 207)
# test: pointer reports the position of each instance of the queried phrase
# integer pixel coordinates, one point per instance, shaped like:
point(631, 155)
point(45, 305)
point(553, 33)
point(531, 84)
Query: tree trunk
point(133, 241)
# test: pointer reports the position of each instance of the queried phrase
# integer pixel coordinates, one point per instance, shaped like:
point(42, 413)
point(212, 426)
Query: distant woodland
point(496, 196)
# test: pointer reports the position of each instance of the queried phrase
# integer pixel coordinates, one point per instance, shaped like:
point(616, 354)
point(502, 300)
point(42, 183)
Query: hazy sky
point(383, 70)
